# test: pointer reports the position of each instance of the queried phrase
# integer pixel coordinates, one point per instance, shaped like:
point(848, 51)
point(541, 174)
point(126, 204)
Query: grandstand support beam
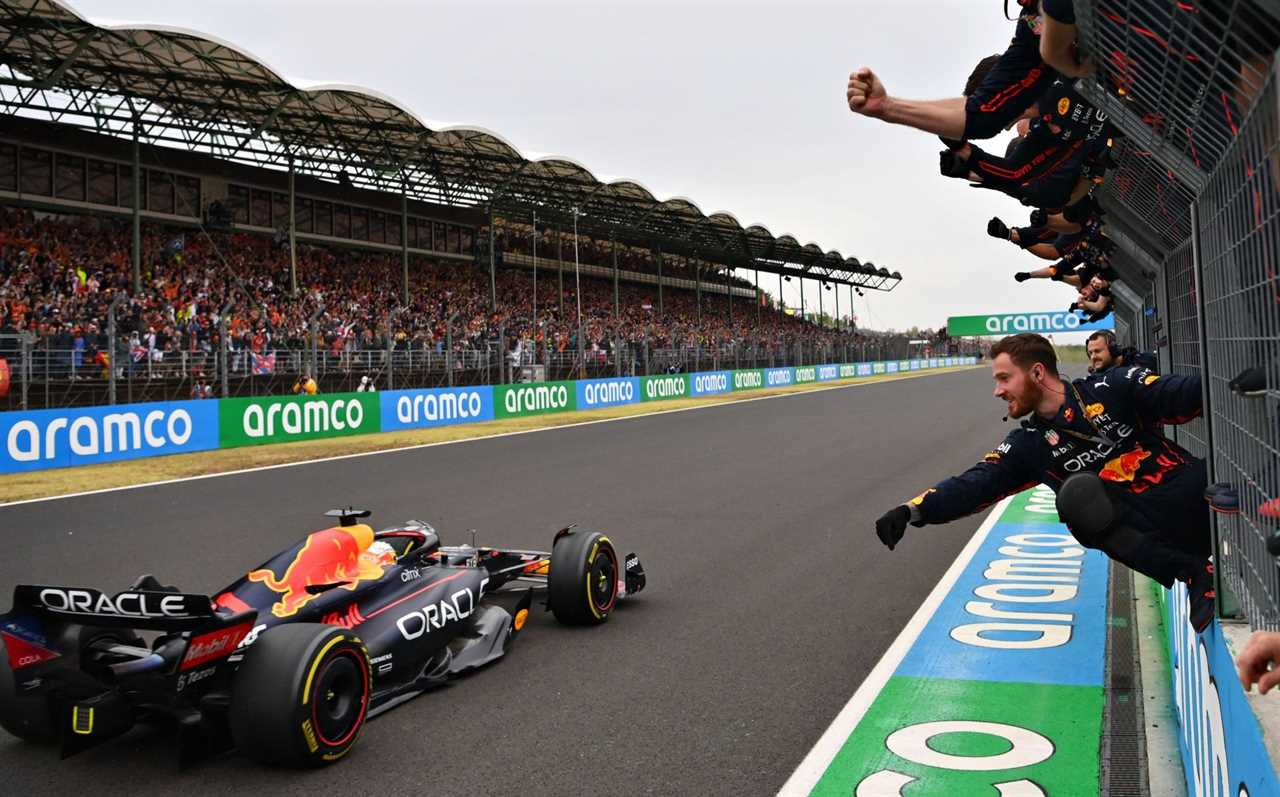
point(404, 242)
point(801, 298)
point(661, 315)
point(560, 271)
point(493, 279)
point(577, 294)
point(534, 236)
point(613, 246)
point(821, 312)
point(293, 233)
point(697, 277)
point(137, 207)
point(837, 293)
point(728, 284)
point(757, 297)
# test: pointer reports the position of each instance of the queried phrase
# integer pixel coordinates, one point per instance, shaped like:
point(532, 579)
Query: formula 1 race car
point(288, 662)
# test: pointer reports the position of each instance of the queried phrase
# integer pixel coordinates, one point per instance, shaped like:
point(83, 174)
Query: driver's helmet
point(380, 553)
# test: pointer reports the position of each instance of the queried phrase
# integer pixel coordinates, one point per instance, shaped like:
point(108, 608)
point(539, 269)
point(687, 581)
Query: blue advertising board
point(593, 393)
point(43, 439)
point(444, 406)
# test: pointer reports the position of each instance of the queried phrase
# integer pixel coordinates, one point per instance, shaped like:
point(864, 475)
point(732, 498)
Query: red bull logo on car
point(331, 556)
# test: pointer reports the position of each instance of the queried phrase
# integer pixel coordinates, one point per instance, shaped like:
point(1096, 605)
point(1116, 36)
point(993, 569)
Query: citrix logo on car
point(457, 606)
point(90, 436)
point(532, 399)
point(310, 417)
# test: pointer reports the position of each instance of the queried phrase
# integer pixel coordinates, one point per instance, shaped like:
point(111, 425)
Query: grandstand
point(176, 213)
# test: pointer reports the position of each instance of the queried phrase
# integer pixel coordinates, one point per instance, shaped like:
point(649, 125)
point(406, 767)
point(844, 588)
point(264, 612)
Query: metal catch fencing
point(1192, 87)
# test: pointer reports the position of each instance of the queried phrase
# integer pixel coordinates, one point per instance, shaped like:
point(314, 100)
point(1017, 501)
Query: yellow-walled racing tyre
point(582, 586)
point(301, 696)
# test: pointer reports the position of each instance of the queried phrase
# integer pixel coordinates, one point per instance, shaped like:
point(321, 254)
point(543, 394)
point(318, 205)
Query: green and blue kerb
point(1002, 691)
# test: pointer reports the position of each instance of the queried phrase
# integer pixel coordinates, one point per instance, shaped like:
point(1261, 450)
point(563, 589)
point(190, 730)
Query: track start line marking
point(995, 686)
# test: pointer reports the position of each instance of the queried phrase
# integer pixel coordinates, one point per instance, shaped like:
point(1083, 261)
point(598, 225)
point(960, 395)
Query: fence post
point(1206, 407)
point(25, 365)
point(391, 343)
point(448, 350)
point(112, 334)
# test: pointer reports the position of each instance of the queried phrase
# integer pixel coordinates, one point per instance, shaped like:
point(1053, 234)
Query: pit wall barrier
point(1222, 745)
point(60, 438)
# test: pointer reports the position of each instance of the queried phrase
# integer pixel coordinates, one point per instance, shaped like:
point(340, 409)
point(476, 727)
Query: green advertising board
point(514, 401)
point(660, 388)
point(806, 373)
point(255, 421)
point(748, 379)
point(1044, 323)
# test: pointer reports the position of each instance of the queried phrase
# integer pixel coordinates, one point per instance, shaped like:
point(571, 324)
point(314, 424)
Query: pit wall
point(44, 439)
point(1223, 748)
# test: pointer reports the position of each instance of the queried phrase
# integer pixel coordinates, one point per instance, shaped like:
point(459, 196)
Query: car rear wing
point(135, 608)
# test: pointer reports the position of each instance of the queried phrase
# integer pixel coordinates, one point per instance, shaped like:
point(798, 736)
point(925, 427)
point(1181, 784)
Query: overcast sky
point(738, 106)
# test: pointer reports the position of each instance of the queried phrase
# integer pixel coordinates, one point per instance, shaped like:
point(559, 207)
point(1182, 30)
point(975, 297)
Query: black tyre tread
point(566, 584)
point(28, 718)
point(265, 714)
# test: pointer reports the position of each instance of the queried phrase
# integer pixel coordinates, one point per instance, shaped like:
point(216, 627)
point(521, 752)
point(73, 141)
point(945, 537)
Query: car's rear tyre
point(301, 695)
point(582, 586)
point(28, 718)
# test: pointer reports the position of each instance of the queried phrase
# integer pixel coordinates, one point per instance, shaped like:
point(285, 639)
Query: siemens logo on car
point(607, 392)
point(60, 438)
point(535, 399)
point(297, 418)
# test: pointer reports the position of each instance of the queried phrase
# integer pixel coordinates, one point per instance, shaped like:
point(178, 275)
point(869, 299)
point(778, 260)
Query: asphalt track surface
point(769, 598)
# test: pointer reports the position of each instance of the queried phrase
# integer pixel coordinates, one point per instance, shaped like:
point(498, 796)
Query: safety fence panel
point(1184, 337)
point(1239, 217)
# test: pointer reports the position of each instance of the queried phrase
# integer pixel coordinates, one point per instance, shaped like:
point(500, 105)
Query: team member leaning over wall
point(1105, 425)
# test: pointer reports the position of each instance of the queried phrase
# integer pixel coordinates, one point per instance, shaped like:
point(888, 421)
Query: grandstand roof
point(193, 90)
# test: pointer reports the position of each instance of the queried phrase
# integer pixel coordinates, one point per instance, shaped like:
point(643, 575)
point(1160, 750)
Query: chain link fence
point(1192, 87)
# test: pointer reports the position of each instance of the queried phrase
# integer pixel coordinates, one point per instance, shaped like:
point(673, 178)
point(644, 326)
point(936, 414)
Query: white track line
point(815, 764)
point(709, 405)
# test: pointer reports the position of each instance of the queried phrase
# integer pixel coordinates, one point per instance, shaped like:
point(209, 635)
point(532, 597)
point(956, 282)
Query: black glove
point(892, 525)
point(1039, 218)
point(1022, 276)
point(1071, 308)
point(998, 229)
point(1251, 381)
point(951, 143)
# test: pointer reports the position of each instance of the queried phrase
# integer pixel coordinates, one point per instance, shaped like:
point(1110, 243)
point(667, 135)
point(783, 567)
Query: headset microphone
point(1005, 419)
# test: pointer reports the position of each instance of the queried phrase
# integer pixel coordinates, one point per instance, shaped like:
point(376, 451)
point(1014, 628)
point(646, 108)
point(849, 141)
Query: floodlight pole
point(535, 275)
point(757, 297)
point(560, 270)
point(660, 312)
point(404, 239)
point(577, 294)
point(137, 208)
point(493, 279)
point(293, 238)
point(697, 277)
point(837, 293)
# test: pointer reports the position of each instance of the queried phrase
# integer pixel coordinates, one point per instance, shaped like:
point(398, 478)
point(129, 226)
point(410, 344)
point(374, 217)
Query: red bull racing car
point(289, 662)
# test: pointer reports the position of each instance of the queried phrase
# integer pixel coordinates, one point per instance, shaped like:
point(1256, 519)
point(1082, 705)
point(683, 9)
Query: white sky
point(738, 106)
